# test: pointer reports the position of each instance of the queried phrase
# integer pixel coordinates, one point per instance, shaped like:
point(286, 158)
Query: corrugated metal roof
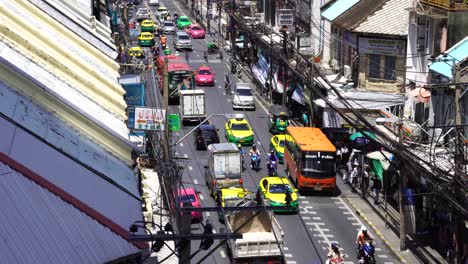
point(358, 13)
point(392, 19)
point(39, 227)
point(455, 54)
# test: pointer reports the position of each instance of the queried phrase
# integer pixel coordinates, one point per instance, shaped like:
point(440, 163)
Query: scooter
point(272, 168)
point(254, 162)
point(368, 251)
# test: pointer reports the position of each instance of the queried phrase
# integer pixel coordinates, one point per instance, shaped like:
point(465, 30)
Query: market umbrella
point(379, 162)
point(359, 135)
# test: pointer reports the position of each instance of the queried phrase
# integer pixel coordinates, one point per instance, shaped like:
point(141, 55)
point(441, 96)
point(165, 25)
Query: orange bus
point(310, 159)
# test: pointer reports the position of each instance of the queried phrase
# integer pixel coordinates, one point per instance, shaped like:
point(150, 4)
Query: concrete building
point(67, 181)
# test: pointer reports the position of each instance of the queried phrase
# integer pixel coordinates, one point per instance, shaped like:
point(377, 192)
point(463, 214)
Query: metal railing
point(449, 5)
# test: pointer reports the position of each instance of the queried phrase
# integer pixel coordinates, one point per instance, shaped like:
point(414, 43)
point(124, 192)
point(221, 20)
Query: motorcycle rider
point(227, 83)
point(271, 158)
point(362, 237)
point(176, 16)
point(335, 256)
point(253, 151)
point(163, 41)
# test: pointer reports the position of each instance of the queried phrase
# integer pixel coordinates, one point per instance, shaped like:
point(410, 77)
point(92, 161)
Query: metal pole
point(208, 16)
point(166, 108)
point(459, 156)
point(270, 73)
point(402, 186)
point(184, 245)
point(285, 50)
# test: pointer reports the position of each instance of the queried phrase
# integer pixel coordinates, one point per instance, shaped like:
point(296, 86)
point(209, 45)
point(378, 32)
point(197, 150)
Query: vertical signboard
point(285, 17)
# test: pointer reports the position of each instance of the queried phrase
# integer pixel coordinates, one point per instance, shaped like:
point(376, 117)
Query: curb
point(376, 231)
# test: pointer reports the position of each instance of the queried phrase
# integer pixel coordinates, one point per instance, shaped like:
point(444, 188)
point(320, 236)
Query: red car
point(195, 31)
point(205, 76)
point(189, 195)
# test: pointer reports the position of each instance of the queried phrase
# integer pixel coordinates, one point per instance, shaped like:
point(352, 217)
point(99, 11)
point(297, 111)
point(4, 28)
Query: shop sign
point(285, 17)
point(382, 46)
point(149, 119)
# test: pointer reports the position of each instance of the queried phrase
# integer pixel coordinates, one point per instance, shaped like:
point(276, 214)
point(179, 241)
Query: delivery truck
point(224, 167)
point(192, 105)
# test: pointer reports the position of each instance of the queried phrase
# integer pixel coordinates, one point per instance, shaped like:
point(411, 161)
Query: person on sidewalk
point(355, 173)
point(376, 187)
point(362, 237)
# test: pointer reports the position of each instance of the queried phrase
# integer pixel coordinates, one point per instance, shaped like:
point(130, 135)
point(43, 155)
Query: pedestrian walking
point(376, 188)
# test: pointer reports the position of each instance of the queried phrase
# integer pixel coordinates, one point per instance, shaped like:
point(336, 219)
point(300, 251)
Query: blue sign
point(134, 96)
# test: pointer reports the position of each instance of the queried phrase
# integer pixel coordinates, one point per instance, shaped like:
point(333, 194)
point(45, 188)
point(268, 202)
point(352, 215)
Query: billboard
point(149, 119)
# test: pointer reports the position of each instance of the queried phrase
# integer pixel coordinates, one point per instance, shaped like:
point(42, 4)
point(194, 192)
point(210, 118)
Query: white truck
point(192, 105)
point(262, 237)
point(224, 169)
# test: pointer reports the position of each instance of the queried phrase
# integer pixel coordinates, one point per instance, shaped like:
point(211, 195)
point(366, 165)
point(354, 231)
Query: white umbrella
point(383, 156)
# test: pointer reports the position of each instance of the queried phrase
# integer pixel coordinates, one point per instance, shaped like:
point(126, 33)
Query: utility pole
point(166, 108)
point(208, 16)
point(184, 245)
point(401, 189)
point(459, 153)
point(218, 6)
point(285, 51)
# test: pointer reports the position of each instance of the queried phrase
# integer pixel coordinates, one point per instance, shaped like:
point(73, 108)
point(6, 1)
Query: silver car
point(168, 27)
point(142, 14)
point(242, 96)
point(182, 41)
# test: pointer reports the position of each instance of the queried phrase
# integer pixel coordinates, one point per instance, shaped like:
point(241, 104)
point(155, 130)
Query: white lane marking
point(208, 214)
point(286, 248)
point(337, 202)
point(378, 249)
point(201, 196)
point(342, 207)
point(386, 262)
point(306, 217)
point(181, 144)
point(308, 206)
point(323, 229)
point(329, 235)
point(260, 103)
point(382, 256)
point(317, 218)
point(291, 262)
point(356, 224)
point(350, 218)
point(195, 181)
point(223, 255)
point(185, 155)
point(259, 143)
point(335, 198)
point(305, 202)
point(288, 256)
point(347, 213)
point(190, 168)
point(302, 197)
point(351, 211)
point(315, 223)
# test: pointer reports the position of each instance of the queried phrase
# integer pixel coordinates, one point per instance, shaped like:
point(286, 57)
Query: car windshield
point(282, 118)
point(184, 19)
point(196, 28)
point(209, 133)
point(318, 166)
point(240, 127)
point(168, 24)
point(281, 143)
point(279, 188)
point(187, 198)
point(244, 92)
point(204, 72)
point(184, 37)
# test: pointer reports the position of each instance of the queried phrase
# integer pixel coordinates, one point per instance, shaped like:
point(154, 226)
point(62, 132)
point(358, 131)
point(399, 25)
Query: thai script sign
point(382, 46)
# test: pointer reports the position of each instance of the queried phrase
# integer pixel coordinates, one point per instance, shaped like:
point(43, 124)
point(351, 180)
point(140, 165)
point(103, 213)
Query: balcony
point(448, 5)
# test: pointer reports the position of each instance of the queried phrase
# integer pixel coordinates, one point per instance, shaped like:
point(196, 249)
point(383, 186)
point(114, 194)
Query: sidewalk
point(374, 216)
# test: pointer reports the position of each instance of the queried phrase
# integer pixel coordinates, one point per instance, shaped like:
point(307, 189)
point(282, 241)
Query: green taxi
point(238, 131)
point(147, 26)
point(146, 39)
point(274, 189)
point(183, 22)
point(277, 144)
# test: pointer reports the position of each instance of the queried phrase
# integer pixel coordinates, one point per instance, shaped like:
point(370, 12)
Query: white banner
point(149, 119)
point(382, 46)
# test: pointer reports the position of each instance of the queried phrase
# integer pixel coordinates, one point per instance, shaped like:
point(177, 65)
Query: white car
point(153, 2)
point(242, 96)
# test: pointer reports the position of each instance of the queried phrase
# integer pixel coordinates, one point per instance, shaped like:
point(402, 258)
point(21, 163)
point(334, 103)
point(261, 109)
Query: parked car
point(153, 2)
point(242, 96)
point(275, 188)
point(195, 31)
point(183, 21)
point(205, 135)
point(205, 76)
point(142, 14)
point(182, 41)
point(190, 195)
point(168, 27)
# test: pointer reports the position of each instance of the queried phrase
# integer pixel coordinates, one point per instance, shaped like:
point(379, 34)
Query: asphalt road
point(322, 219)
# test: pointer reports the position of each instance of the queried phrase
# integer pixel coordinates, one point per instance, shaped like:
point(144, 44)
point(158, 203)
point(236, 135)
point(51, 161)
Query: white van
point(242, 96)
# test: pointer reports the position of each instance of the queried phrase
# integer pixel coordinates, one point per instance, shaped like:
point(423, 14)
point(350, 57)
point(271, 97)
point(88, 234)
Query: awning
point(298, 94)
point(331, 119)
point(338, 8)
point(455, 54)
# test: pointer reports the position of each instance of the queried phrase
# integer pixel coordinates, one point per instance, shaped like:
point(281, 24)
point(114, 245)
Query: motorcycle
point(368, 251)
point(272, 167)
point(238, 73)
point(255, 162)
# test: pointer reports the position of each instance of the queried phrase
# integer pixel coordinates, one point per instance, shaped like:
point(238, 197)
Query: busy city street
point(323, 219)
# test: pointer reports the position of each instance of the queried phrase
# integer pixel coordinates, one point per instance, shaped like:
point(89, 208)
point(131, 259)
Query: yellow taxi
point(147, 26)
point(233, 196)
point(146, 39)
point(275, 190)
point(238, 130)
point(135, 52)
point(277, 144)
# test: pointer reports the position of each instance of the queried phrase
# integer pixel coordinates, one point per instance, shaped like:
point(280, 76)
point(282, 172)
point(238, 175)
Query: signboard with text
point(149, 119)
point(285, 17)
point(377, 46)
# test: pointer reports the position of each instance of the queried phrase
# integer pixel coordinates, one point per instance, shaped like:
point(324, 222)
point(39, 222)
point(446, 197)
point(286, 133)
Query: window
point(389, 73)
point(374, 66)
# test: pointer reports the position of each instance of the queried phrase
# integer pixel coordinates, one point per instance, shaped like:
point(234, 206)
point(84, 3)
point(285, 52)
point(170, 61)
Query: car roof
point(135, 48)
point(184, 191)
point(147, 21)
point(143, 9)
point(242, 121)
point(182, 33)
point(243, 86)
point(275, 180)
point(195, 25)
point(184, 17)
point(204, 68)
point(146, 34)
